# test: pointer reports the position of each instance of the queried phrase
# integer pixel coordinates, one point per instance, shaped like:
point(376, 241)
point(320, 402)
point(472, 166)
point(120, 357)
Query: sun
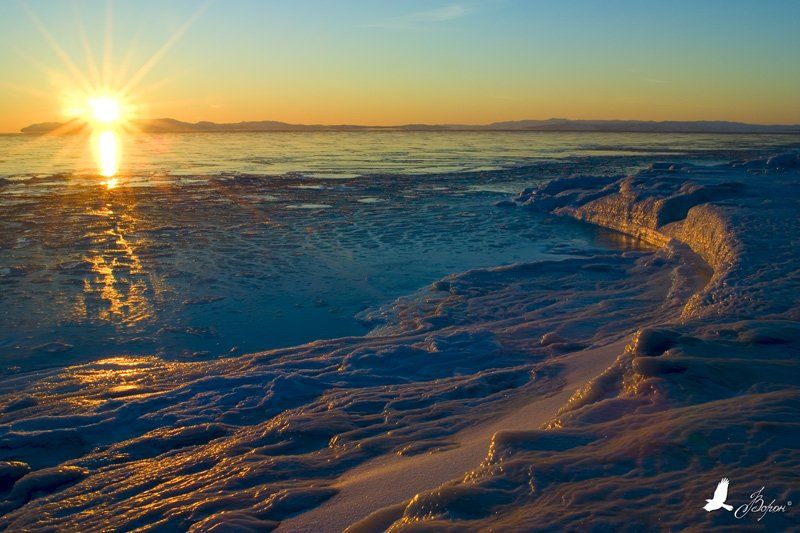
point(104, 109)
point(100, 110)
point(104, 103)
point(108, 117)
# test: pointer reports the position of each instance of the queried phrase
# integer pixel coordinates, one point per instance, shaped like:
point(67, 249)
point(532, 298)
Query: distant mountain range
point(169, 125)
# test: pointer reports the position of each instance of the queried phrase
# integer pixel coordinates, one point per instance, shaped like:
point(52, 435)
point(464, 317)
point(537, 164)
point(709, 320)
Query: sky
point(395, 62)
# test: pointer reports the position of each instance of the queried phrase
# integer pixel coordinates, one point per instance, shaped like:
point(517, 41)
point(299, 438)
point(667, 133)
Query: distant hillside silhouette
point(169, 125)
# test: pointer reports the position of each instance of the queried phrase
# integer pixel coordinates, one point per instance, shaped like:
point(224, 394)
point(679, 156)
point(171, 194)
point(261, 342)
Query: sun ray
point(108, 44)
point(152, 87)
point(78, 77)
point(156, 57)
point(37, 93)
point(101, 103)
point(91, 64)
point(124, 64)
point(56, 77)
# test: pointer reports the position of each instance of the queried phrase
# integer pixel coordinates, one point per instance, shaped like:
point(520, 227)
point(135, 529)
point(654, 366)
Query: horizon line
point(513, 125)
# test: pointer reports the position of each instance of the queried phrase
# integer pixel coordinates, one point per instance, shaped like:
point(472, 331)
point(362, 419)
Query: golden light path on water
point(107, 155)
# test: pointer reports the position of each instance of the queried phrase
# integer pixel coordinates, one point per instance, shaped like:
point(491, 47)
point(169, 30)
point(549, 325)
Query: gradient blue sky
point(389, 62)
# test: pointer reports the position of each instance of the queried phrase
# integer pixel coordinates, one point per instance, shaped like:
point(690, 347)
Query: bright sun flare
point(96, 106)
point(108, 117)
point(104, 109)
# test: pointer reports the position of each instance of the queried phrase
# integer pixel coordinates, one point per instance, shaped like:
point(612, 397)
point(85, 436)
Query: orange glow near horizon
point(383, 63)
point(386, 64)
point(98, 101)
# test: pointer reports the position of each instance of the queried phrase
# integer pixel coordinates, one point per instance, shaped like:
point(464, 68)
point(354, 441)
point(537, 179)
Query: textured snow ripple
point(257, 438)
point(708, 394)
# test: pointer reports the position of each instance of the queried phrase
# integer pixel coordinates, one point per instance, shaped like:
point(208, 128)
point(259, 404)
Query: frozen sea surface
point(194, 156)
point(243, 263)
point(597, 383)
point(226, 244)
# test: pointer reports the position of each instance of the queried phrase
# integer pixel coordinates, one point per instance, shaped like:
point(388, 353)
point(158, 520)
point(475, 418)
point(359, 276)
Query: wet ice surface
point(236, 264)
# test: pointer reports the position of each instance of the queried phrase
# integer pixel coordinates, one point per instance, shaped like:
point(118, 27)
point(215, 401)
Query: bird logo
point(720, 495)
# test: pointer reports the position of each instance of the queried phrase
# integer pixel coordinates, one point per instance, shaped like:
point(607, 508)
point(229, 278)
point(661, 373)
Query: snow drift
point(693, 398)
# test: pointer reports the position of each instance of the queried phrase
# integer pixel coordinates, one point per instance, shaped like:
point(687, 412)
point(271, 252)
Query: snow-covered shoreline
point(709, 395)
point(705, 388)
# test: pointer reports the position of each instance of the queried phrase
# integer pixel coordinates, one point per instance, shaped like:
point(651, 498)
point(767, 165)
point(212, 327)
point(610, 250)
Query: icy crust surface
point(248, 441)
point(731, 215)
point(712, 393)
point(230, 264)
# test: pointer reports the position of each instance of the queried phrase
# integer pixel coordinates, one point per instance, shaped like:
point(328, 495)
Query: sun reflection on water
point(106, 148)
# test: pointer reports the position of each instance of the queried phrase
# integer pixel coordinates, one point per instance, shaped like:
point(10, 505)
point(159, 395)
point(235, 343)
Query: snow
point(693, 398)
